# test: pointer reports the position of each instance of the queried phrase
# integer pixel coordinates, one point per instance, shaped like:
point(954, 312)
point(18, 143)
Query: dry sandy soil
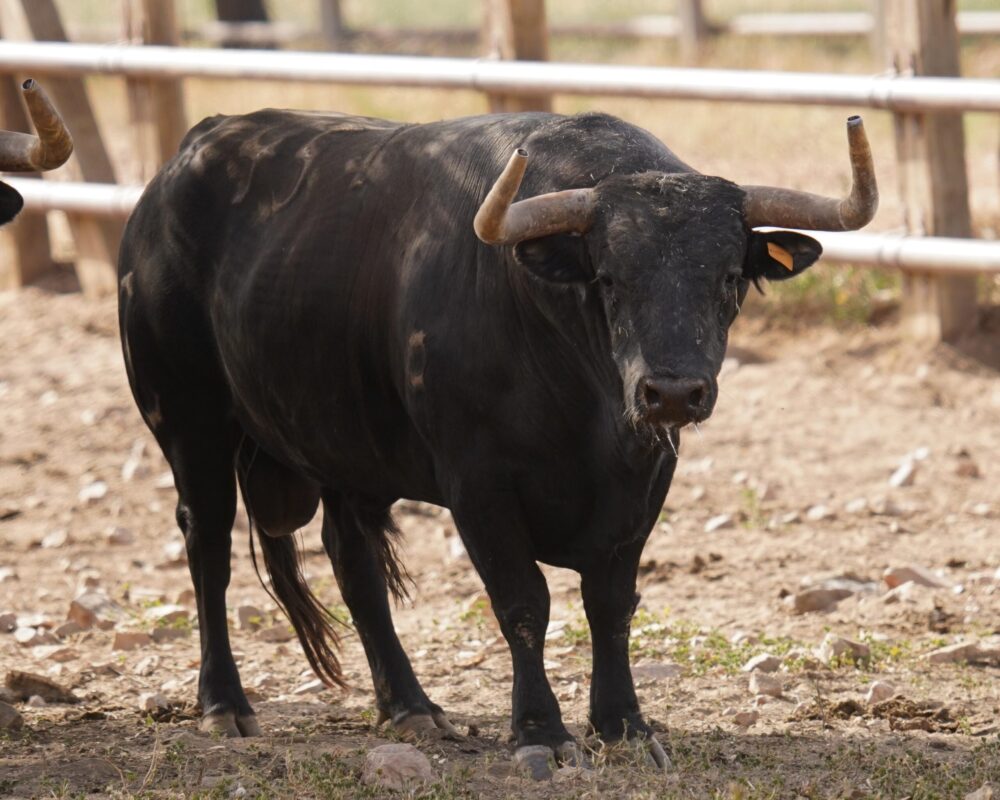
point(808, 417)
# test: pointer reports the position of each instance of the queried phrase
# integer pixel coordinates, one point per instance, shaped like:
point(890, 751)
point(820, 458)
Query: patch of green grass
point(841, 296)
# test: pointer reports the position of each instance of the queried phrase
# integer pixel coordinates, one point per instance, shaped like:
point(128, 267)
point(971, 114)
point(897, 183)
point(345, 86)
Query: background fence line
point(917, 38)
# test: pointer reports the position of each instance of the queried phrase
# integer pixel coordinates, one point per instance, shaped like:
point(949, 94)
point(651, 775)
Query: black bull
point(306, 313)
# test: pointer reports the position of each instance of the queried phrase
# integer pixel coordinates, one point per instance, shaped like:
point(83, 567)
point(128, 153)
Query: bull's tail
point(313, 622)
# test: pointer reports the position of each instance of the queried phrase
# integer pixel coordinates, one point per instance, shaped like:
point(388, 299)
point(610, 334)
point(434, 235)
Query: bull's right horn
point(21, 152)
point(501, 221)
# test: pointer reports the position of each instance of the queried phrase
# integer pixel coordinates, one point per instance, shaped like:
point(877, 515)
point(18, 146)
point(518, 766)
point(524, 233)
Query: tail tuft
point(313, 622)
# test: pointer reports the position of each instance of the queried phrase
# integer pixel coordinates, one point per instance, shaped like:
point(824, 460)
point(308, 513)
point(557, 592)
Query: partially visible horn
point(788, 208)
point(21, 152)
point(501, 221)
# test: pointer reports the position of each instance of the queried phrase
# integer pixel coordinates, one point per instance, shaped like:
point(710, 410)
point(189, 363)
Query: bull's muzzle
point(675, 402)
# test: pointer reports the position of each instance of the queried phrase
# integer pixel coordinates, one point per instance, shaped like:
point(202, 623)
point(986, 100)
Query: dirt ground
point(811, 423)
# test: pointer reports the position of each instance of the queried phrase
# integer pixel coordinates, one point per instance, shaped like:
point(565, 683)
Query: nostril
point(651, 396)
point(696, 396)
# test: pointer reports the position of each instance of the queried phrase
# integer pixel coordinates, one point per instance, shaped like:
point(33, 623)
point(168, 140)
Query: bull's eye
point(605, 281)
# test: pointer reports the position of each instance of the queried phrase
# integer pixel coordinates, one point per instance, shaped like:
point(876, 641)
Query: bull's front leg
point(610, 600)
point(498, 544)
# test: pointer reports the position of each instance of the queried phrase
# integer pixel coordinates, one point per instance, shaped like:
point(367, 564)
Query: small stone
point(884, 507)
point(819, 513)
point(146, 666)
point(762, 683)
point(36, 701)
point(29, 637)
point(982, 509)
point(131, 640)
point(904, 475)
point(119, 536)
point(58, 653)
point(968, 652)
point(249, 618)
point(908, 592)
point(878, 692)
point(161, 635)
point(790, 518)
point(28, 684)
point(93, 492)
point(967, 468)
point(837, 647)
point(743, 637)
point(719, 522)
point(818, 599)
point(984, 792)
point(765, 662)
point(10, 718)
point(152, 701)
point(8, 575)
point(186, 597)
point(92, 609)
point(746, 719)
point(310, 687)
point(895, 576)
point(167, 614)
point(70, 628)
point(176, 553)
point(56, 538)
point(276, 634)
point(164, 481)
point(857, 506)
point(396, 766)
point(8, 622)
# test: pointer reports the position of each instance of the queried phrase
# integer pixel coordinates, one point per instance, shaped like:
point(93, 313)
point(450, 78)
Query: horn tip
point(29, 85)
point(855, 121)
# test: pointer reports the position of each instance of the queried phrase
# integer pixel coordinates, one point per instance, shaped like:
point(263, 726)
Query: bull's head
point(21, 152)
point(672, 257)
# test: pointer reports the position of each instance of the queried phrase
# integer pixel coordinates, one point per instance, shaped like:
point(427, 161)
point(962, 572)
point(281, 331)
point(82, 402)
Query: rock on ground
point(10, 719)
point(396, 766)
point(27, 684)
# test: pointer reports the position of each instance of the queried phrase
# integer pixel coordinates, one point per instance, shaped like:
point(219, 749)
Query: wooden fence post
point(516, 30)
point(922, 38)
point(24, 244)
point(692, 30)
point(332, 22)
point(96, 240)
point(156, 107)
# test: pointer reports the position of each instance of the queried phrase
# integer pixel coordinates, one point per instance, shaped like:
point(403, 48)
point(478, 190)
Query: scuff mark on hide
point(416, 359)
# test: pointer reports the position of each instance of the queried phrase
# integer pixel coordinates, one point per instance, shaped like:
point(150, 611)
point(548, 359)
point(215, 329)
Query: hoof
point(422, 725)
point(228, 724)
point(535, 761)
point(656, 754)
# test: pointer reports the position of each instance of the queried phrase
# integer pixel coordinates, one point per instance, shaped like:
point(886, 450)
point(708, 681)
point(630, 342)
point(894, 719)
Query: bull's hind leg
point(198, 437)
point(206, 487)
point(354, 535)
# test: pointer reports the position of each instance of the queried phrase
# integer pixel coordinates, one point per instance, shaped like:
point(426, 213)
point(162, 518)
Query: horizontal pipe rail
point(917, 253)
point(898, 93)
point(96, 199)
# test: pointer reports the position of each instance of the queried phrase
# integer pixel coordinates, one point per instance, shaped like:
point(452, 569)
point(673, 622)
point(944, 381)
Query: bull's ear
point(779, 255)
point(11, 203)
point(559, 258)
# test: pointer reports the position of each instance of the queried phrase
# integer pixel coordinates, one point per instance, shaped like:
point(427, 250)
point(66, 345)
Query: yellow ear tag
point(781, 255)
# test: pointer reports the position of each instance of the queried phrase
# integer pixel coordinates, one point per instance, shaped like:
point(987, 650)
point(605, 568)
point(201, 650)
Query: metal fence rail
point(893, 92)
point(931, 254)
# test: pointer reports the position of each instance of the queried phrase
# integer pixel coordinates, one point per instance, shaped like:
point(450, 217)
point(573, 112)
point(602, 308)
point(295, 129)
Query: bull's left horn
point(788, 208)
point(21, 152)
point(501, 221)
